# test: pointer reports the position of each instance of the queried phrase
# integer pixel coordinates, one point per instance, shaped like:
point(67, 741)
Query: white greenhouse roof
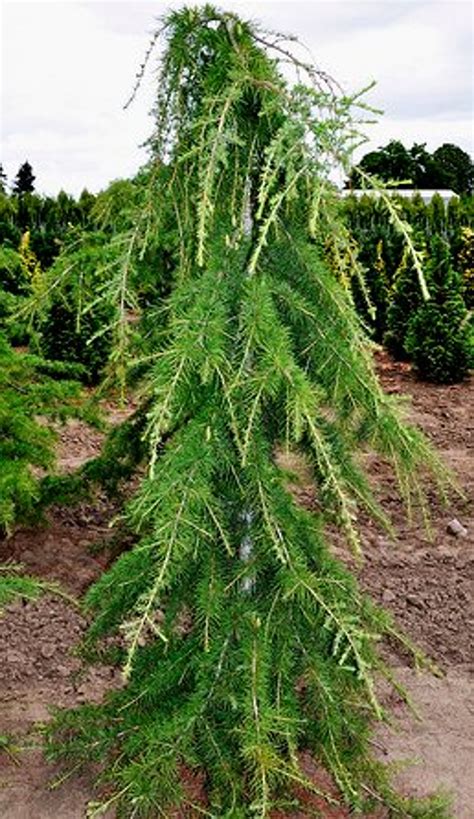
point(407, 193)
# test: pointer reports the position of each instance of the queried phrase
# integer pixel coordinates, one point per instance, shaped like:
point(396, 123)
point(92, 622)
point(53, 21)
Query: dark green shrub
point(66, 336)
point(380, 250)
point(466, 265)
point(10, 232)
point(12, 324)
point(93, 299)
point(28, 389)
point(438, 337)
point(369, 223)
point(405, 299)
point(49, 220)
point(74, 323)
point(13, 278)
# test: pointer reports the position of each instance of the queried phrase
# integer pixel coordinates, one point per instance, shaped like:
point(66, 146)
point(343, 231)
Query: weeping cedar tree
point(245, 640)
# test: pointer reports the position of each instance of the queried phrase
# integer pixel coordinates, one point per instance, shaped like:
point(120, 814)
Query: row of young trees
point(219, 282)
point(74, 323)
point(437, 335)
point(86, 227)
point(46, 218)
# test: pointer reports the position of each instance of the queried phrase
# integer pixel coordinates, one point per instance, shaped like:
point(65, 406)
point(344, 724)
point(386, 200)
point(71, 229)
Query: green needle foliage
point(439, 335)
point(244, 640)
point(14, 585)
point(68, 331)
point(14, 287)
point(405, 301)
point(33, 394)
point(466, 265)
point(88, 304)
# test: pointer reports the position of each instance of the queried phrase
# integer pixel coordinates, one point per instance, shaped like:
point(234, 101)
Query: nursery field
point(427, 584)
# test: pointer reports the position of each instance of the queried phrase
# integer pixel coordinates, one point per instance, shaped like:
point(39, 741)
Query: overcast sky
point(67, 68)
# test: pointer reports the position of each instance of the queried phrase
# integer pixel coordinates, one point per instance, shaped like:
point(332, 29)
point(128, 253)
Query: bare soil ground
point(427, 584)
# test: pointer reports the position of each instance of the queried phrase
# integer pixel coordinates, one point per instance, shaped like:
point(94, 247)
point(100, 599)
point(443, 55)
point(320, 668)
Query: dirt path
point(427, 585)
point(38, 668)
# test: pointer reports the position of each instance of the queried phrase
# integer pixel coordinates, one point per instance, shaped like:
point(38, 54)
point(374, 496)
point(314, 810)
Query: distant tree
point(391, 162)
point(425, 173)
point(3, 180)
point(48, 220)
point(86, 202)
point(455, 167)
point(448, 167)
point(24, 181)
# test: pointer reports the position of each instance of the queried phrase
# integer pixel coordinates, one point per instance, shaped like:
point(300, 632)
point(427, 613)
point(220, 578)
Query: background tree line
point(447, 167)
point(46, 218)
point(34, 229)
point(437, 335)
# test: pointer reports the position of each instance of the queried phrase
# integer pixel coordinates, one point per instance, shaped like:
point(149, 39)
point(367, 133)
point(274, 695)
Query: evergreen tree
point(404, 300)
point(380, 288)
point(466, 264)
point(24, 180)
point(14, 287)
point(246, 641)
point(72, 328)
point(31, 267)
point(3, 180)
point(377, 242)
point(29, 387)
point(438, 335)
point(88, 304)
point(9, 232)
point(13, 277)
point(437, 221)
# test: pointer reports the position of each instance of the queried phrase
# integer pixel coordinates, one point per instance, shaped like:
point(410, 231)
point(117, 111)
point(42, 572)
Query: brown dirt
point(64, 547)
point(37, 639)
point(426, 584)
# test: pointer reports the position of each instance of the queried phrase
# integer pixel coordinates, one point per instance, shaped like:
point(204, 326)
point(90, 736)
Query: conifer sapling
point(245, 641)
point(438, 334)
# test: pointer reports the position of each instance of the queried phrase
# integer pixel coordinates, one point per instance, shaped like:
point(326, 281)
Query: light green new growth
point(246, 641)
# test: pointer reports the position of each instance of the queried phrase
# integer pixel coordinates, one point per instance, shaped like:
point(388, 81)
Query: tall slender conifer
point(245, 640)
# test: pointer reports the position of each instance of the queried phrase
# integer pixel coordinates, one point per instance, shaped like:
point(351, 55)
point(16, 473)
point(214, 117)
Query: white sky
point(67, 68)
